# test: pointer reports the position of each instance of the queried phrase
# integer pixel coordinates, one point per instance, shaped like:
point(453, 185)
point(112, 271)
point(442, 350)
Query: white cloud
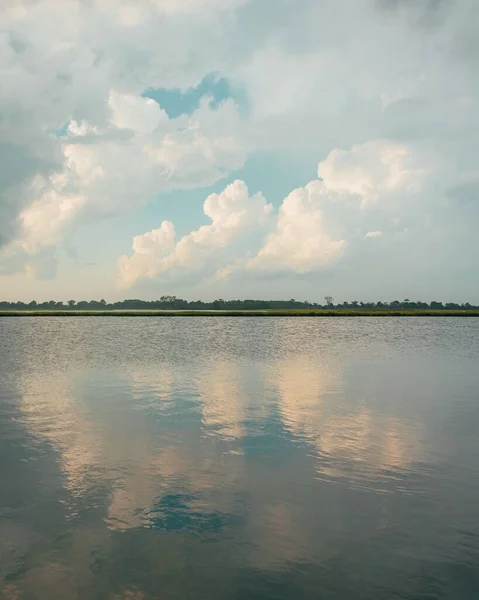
point(85, 65)
point(309, 232)
point(44, 222)
point(401, 75)
point(149, 250)
point(315, 221)
point(142, 115)
point(103, 174)
point(196, 6)
point(300, 241)
point(201, 149)
point(161, 153)
point(235, 216)
point(278, 80)
point(371, 171)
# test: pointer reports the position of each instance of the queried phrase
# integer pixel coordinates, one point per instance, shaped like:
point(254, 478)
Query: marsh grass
point(241, 313)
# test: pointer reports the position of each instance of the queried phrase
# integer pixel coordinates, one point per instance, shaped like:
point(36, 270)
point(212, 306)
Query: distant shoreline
point(241, 313)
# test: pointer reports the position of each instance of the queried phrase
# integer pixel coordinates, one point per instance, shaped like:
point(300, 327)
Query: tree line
point(174, 303)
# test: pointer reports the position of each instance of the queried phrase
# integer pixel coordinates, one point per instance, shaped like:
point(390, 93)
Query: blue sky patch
point(178, 102)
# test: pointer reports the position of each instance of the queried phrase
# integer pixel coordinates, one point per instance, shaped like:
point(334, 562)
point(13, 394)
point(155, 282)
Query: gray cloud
point(427, 10)
point(18, 165)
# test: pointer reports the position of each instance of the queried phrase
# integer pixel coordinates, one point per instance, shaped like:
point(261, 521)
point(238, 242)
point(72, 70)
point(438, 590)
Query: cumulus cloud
point(160, 153)
point(149, 250)
point(309, 232)
point(235, 217)
point(71, 110)
point(44, 221)
point(371, 171)
point(300, 241)
point(103, 174)
point(142, 115)
point(356, 187)
point(371, 94)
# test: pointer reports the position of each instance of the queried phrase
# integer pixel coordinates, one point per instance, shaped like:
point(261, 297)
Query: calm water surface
point(218, 458)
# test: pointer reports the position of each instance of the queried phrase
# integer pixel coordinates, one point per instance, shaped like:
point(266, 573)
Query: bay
point(224, 458)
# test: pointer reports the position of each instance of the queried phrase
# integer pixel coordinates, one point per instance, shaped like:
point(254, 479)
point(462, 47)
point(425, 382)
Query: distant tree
point(452, 306)
point(219, 304)
point(172, 303)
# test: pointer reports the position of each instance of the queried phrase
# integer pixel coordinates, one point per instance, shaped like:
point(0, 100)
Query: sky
point(239, 149)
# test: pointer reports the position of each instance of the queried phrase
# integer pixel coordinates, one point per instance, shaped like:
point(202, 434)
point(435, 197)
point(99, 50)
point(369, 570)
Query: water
point(217, 458)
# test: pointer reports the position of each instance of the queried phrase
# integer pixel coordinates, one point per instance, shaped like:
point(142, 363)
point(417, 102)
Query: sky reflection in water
point(220, 458)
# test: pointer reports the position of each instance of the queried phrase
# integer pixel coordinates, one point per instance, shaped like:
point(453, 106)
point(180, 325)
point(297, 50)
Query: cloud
point(300, 241)
point(337, 75)
point(103, 174)
point(142, 115)
point(357, 187)
point(394, 82)
point(371, 171)
point(149, 250)
point(160, 154)
point(71, 109)
point(426, 13)
point(235, 216)
point(309, 232)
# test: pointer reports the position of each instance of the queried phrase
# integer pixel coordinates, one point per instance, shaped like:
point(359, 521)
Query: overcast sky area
point(239, 149)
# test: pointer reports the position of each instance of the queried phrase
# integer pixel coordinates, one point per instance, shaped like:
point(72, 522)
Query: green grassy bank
point(242, 313)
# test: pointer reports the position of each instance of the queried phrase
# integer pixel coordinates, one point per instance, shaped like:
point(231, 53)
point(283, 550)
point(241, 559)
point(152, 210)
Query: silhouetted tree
point(173, 303)
point(329, 300)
